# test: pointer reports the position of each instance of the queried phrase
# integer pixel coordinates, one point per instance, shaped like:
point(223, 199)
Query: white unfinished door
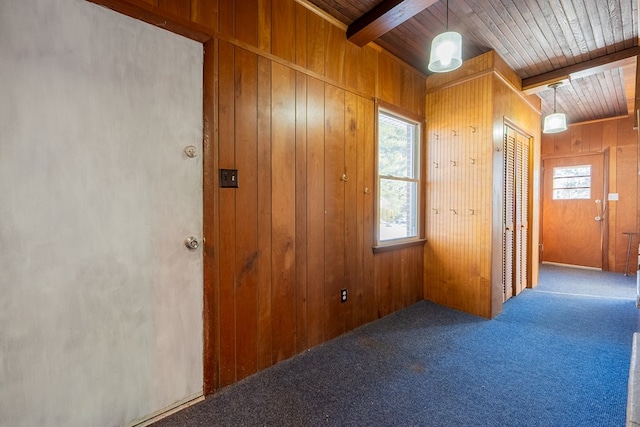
point(100, 300)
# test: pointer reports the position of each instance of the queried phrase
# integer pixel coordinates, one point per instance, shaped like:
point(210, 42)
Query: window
point(572, 182)
point(398, 178)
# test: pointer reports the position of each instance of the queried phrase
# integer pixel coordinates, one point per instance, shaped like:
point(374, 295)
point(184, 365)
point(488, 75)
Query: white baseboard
point(163, 413)
point(583, 267)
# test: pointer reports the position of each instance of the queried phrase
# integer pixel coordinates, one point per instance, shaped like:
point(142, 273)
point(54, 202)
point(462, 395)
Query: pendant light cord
point(447, 26)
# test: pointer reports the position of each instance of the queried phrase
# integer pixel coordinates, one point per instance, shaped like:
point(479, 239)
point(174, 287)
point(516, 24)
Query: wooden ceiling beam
point(383, 18)
point(540, 82)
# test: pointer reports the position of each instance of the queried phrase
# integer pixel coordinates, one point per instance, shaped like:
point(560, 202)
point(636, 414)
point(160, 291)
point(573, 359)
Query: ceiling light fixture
point(446, 50)
point(556, 122)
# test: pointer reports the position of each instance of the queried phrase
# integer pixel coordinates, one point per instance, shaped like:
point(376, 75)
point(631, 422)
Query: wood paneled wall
point(466, 111)
point(521, 112)
point(620, 140)
point(294, 233)
point(291, 105)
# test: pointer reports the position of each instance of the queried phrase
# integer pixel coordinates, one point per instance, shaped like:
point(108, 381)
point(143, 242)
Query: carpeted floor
point(556, 356)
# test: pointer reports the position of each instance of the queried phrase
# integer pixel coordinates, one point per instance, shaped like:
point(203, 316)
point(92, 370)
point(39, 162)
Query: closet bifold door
point(521, 213)
point(508, 212)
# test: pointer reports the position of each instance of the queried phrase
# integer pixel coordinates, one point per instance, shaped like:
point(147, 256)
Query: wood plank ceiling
point(590, 44)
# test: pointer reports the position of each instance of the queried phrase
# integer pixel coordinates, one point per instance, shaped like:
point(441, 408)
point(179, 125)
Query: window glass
point(572, 182)
point(398, 178)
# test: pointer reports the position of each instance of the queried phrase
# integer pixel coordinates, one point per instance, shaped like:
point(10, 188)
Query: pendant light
point(556, 122)
point(446, 50)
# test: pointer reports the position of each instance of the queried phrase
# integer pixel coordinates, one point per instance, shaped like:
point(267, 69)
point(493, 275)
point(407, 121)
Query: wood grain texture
point(384, 17)
point(283, 221)
point(226, 18)
point(302, 297)
point(205, 13)
point(315, 178)
point(334, 203)
point(283, 23)
point(180, 8)
point(263, 172)
point(353, 251)
point(291, 106)
point(226, 211)
point(570, 234)
point(618, 140)
point(246, 219)
point(247, 21)
point(466, 111)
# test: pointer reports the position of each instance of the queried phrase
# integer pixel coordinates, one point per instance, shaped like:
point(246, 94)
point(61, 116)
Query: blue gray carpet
point(557, 355)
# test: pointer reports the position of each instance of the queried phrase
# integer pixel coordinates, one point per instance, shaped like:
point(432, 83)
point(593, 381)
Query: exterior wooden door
point(515, 212)
point(573, 210)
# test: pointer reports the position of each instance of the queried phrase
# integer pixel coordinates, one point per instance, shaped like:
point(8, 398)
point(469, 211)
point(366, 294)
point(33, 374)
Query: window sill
point(395, 246)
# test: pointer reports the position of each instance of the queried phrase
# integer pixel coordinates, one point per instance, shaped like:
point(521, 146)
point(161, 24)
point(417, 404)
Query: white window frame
point(417, 179)
point(555, 180)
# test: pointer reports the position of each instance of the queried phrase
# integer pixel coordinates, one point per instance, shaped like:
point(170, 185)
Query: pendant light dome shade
point(556, 122)
point(446, 52)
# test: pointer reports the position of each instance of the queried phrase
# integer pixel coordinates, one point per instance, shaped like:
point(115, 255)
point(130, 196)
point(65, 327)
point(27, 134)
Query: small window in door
point(572, 182)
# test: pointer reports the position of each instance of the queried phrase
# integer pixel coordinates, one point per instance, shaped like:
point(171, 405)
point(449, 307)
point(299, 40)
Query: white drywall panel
point(100, 301)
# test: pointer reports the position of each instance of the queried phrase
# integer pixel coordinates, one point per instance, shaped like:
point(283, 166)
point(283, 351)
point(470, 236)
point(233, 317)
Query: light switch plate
point(228, 178)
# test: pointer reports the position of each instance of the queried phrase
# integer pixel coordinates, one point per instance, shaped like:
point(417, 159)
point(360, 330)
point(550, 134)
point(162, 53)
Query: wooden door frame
point(605, 188)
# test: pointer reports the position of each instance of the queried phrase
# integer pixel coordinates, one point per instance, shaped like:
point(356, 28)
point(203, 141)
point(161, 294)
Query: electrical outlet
point(343, 295)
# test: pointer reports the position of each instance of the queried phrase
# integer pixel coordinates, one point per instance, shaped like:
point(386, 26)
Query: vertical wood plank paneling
point(227, 199)
point(366, 158)
point(264, 25)
point(384, 282)
point(246, 133)
point(592, 140)
point(180, 8)
point(619, 140)
point(398, 288)
point(563, 143)
point(351, 254)
point(283, 178)
point(361, 290)
point(627, 179)
point(283, 44)
point(335, 51)
point(293, 234)
point(205, 12)
point(334, 204)
point(315, 211)
point(226, 17)
point(264, 349)
point(389, 76)
point(247, 21)
point(316, 28)
point(301, 212)
point(301, 35)
point(368, 77)
point(353, 65)
point(609, 135)
point(462, 192)
point(612, 208)
point(575, 136)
